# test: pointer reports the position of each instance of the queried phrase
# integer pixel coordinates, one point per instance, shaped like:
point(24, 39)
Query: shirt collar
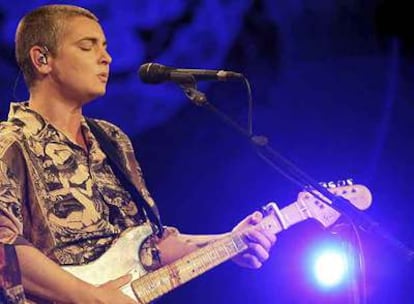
point(35, 126)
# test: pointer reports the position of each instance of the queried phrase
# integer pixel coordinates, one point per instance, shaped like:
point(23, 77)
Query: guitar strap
point(111, 151)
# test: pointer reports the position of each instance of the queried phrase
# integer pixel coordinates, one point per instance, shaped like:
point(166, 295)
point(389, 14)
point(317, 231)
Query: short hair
point(43, 27)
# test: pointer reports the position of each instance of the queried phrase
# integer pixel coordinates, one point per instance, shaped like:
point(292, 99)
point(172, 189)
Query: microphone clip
point(189, 85)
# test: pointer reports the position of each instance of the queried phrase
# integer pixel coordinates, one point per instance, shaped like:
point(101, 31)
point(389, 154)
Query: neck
point(63, 114)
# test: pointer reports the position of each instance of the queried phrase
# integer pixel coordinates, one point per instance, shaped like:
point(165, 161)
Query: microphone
point(155, 73)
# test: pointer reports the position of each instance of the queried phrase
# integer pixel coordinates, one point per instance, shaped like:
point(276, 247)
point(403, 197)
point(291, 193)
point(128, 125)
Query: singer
point(70, 184)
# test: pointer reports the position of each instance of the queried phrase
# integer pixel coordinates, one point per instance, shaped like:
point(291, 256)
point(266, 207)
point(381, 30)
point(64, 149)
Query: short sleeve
point(12, 189)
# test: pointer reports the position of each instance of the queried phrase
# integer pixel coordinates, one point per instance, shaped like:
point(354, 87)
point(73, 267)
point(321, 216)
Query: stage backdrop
point(332, 85)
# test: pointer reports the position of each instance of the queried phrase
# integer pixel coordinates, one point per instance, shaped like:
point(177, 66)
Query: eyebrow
point(93, 40)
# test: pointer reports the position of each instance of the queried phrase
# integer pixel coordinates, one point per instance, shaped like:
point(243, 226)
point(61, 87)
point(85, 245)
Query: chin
point(98, 93)
point(92, 96)
point(101, 93)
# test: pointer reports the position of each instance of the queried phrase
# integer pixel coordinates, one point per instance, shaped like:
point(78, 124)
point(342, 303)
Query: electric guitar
point(122, 257)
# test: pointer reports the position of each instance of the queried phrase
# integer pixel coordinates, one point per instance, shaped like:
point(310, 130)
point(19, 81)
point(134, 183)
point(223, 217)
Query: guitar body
point(120, 259)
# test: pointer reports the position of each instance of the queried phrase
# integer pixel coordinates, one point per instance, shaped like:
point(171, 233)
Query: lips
point(103, 77)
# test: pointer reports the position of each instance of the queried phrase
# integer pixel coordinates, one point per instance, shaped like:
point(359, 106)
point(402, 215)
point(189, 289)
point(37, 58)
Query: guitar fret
point(147, 288)
point(205, 261)
point(230, 248)
point(239, 243)
point(165, 282)
point(165, 285)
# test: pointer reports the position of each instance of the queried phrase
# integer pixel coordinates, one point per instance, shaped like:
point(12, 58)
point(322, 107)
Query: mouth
point(103, 77)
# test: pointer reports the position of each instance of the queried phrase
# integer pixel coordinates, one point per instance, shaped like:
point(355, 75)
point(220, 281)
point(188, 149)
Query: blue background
point(333, 90)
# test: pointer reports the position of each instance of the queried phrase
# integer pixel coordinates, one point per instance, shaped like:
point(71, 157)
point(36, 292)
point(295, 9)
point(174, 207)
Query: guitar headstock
point(312, 207)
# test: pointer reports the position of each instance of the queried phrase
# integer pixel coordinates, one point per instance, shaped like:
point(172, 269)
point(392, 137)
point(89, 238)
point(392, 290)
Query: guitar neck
point(157, 283)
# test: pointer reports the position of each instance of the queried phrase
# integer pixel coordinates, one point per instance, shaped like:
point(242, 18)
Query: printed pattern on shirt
point(73, 204)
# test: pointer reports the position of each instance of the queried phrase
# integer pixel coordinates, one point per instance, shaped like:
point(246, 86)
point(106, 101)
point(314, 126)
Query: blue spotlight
point(331, 267)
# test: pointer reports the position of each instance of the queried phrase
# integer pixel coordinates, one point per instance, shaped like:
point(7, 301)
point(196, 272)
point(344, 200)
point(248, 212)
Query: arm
point(41, 276)
point(174, 245)
point(47, 280)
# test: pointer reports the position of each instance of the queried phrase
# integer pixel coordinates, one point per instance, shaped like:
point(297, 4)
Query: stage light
point(331, 267)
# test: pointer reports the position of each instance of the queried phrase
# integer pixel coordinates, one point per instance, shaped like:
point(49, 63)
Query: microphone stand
point(293, 173)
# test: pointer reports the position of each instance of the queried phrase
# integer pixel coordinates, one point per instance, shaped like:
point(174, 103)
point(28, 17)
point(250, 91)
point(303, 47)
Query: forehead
point(79, 27)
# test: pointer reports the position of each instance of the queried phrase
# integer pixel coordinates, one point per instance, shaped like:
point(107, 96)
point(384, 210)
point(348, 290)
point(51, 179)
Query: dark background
point(333, 90)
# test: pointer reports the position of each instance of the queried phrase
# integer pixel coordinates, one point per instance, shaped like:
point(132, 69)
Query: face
point(80, 69)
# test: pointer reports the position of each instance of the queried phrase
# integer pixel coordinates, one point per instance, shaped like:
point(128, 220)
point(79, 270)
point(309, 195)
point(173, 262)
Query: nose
point(106, 57)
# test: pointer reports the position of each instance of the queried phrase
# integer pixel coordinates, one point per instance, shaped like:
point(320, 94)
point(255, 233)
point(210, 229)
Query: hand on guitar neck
point(258, 240)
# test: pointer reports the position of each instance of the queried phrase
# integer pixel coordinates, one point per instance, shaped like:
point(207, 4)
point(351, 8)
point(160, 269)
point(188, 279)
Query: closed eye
point(88, 44)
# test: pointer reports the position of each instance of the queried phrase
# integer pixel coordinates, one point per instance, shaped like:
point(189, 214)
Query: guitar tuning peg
point(345, 182)
point(341, 183)
point(328, 185)
point(331, 185)
point(324, 184)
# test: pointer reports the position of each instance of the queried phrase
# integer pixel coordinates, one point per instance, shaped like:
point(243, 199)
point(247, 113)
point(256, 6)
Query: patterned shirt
point(64, 200)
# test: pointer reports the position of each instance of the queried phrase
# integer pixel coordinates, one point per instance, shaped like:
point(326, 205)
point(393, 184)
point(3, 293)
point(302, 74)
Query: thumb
point(119, 282)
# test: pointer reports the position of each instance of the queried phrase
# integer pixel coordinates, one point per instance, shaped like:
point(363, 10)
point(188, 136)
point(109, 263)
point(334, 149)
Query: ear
point(40, 59)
